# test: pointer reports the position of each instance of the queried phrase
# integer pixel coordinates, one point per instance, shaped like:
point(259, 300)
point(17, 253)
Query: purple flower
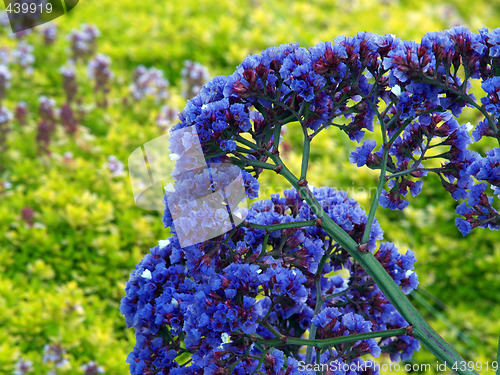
point(23, 367)
point(99, 70)
point(49, 33)
point(149, 83)
point(393, 200)
point(21, 112)
point(92, 368)
point(23, 55)
point(115, 166)
point(491, 102)
point(210, 293)
point(194, 76)
point(68, 119)
point(70, 84)
point(83, 42)
point(55, 354)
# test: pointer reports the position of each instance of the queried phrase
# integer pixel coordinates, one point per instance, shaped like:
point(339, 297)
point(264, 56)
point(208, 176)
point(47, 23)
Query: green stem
point(381, 182)
point(325, 343)
point(231, 368)
point(305, 155)
point(319, 302)
point(353, 286)
point(256, 163)
point(263, 252)
point(273, 227)
point(421, 329)
point(273, 330)
point(318, 361)
point(313, 330)
point(261, 360)
point(403, 173)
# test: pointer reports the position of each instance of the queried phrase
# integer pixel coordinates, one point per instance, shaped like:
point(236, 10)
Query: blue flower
point(362, 153)
point(463, 226)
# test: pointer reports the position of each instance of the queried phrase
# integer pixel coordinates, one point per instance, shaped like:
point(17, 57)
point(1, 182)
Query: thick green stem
point(421, 329)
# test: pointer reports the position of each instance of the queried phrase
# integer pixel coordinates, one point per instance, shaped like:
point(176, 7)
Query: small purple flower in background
point(167, 117)
point(149, 82)
point(48, 110)
point(54, 354)
point(28, 215)
point(194, 76)
point(83, 42)
point(44, 132)
point(92, 33)
point(115, 166)
point(99, 70)
point(20, 113)
point(70, 85)
point(92, 368)
point(23, 367)
point(47, 124)
point(68, 119)
point(49, 33)
point(5, 78)
point(23, 55)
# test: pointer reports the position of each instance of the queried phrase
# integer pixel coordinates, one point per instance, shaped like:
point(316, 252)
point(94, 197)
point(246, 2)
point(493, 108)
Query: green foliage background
point(61, 281)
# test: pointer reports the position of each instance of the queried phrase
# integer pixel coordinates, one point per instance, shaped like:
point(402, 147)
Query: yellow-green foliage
point(61, 280)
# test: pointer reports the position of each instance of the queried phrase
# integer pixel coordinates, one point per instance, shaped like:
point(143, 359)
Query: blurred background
point(79, 94)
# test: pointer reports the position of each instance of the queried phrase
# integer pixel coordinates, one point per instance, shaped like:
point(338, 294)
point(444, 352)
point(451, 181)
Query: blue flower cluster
point(478, 210)
point(213, 306)
point(216, 306)
point(415, 91)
